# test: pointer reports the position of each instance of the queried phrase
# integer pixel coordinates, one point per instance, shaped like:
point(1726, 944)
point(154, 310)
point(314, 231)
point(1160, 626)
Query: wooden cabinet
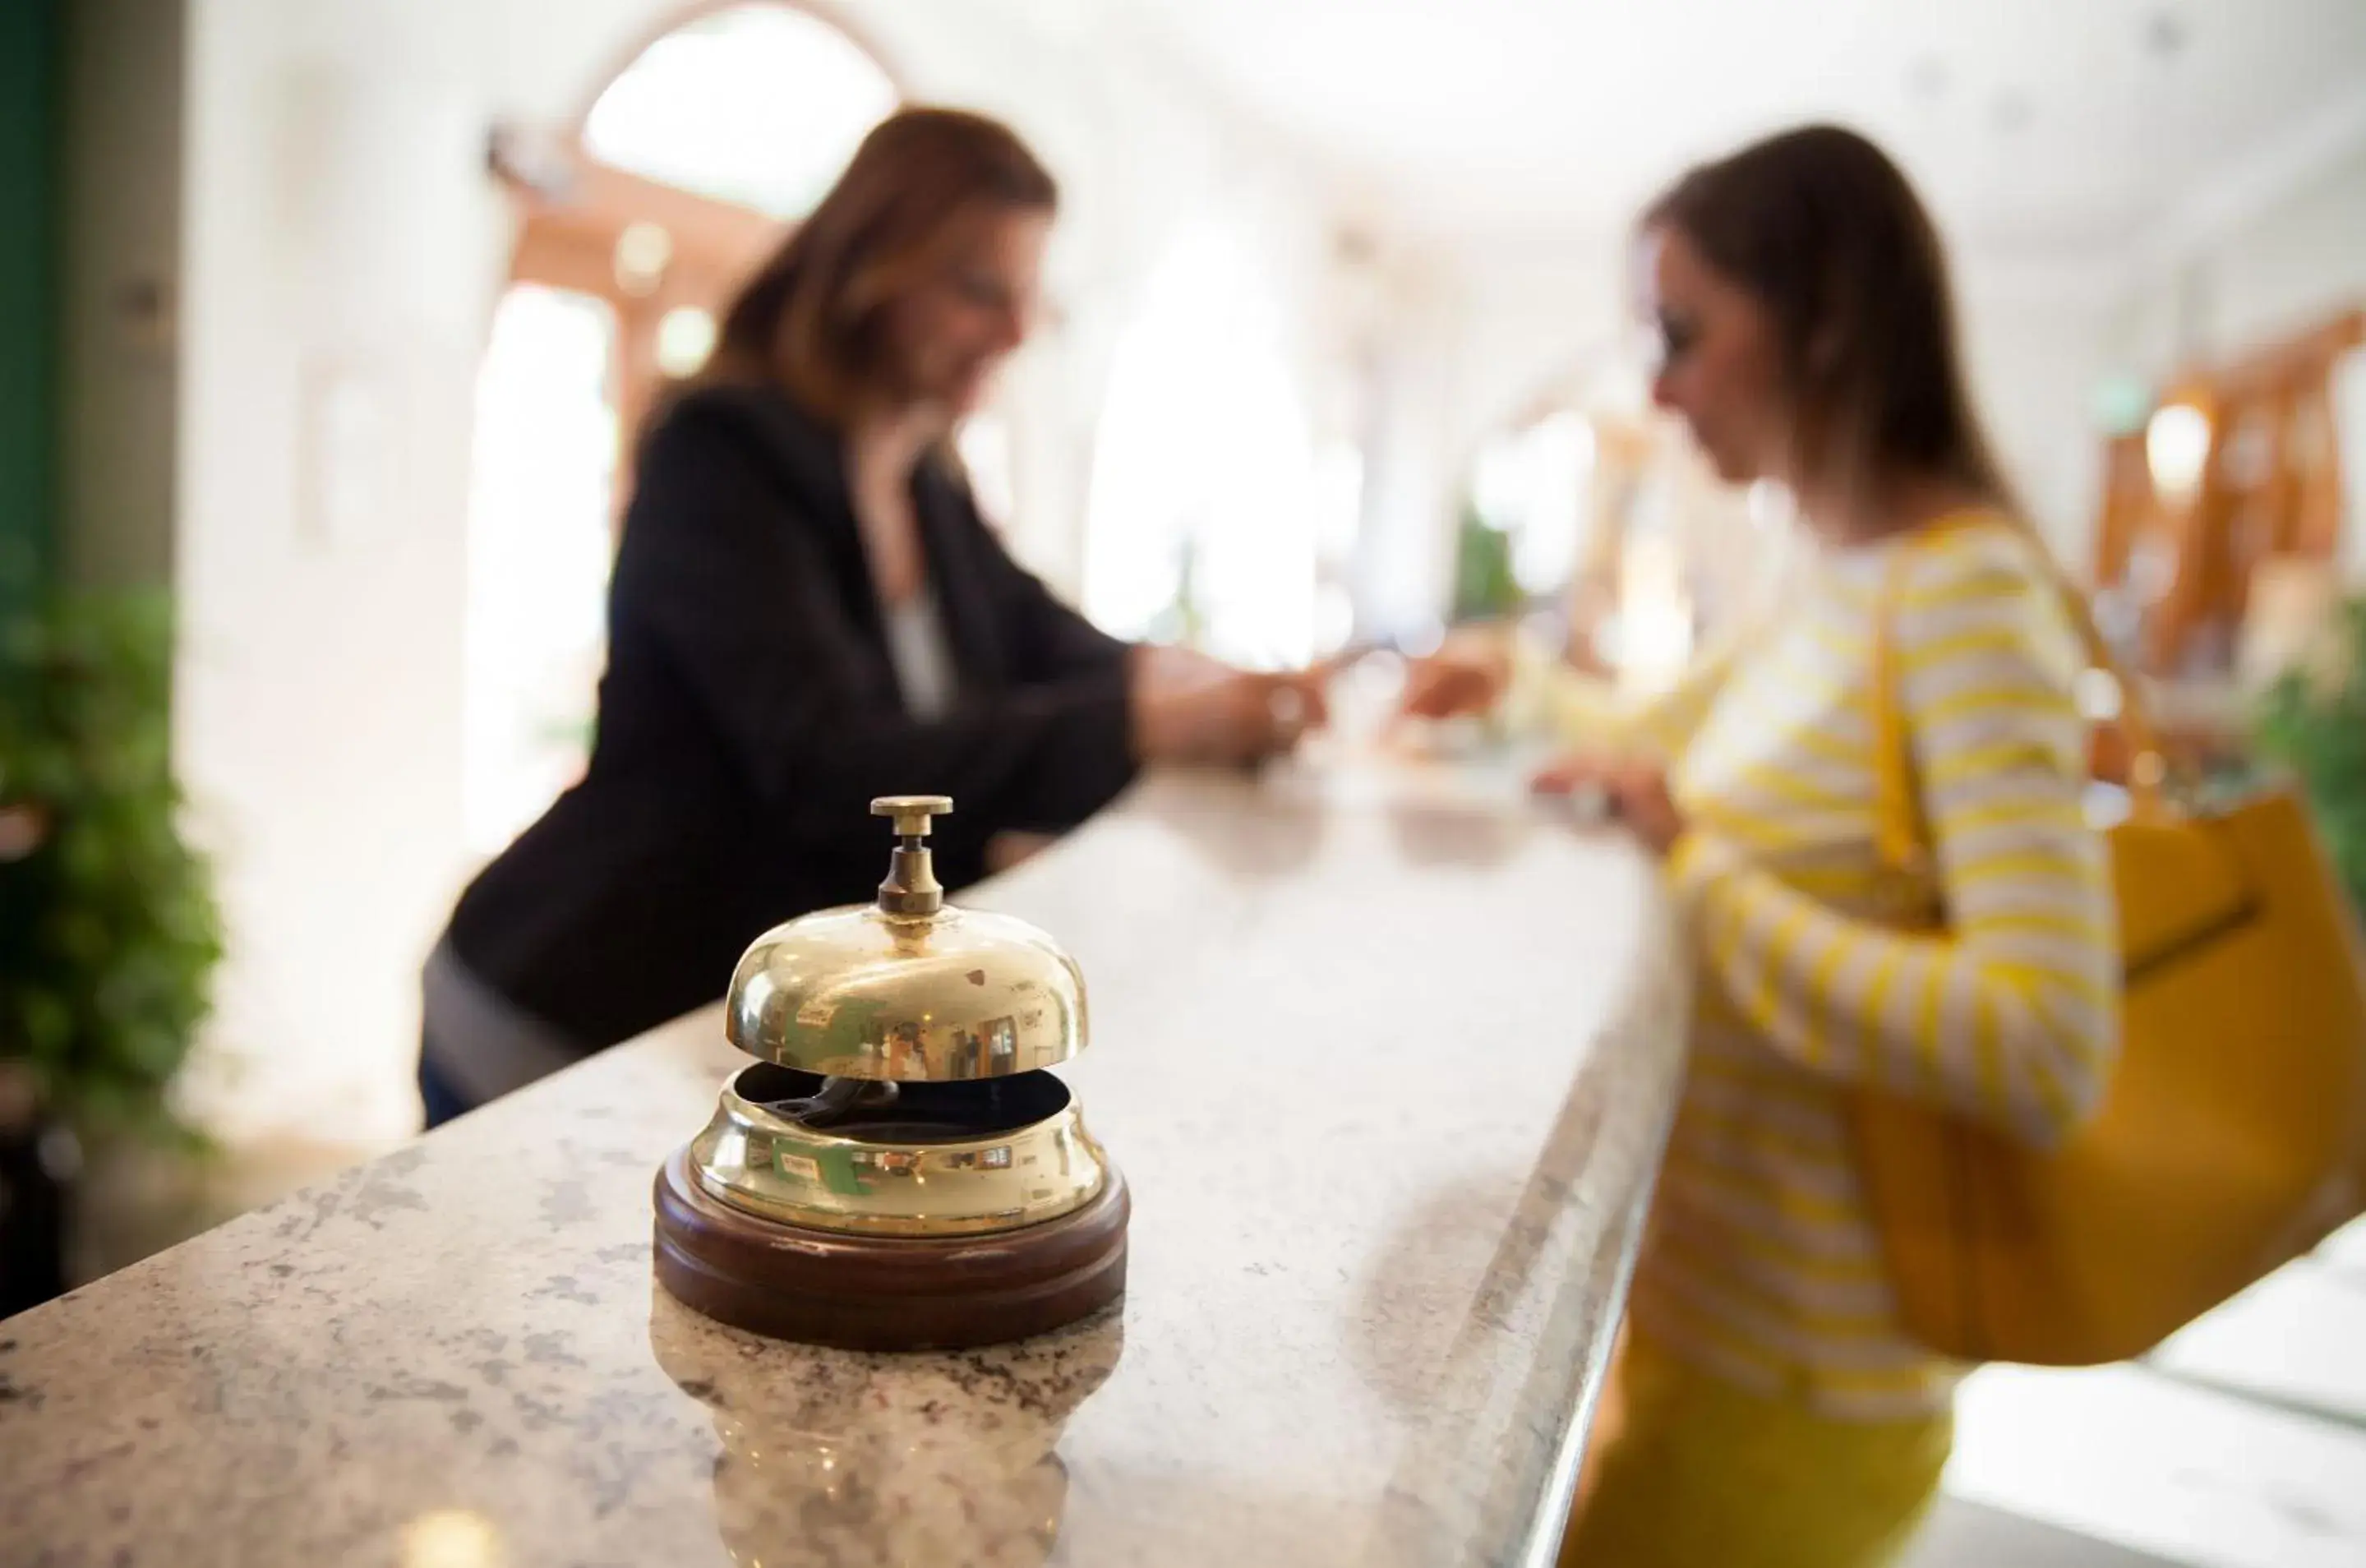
point(2269, 488)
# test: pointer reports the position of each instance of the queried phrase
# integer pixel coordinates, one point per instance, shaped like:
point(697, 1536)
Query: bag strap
point(1898, 836)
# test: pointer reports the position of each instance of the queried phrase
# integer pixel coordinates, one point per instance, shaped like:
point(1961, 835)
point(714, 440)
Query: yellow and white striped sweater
point(1763, 1263)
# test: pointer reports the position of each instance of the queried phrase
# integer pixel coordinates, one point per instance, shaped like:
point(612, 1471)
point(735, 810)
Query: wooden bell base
point(886, 1292)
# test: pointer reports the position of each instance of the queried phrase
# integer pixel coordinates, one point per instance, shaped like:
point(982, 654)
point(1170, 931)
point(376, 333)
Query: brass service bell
point(897, 1168)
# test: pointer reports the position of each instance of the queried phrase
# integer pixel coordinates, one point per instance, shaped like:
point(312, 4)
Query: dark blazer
point(749, 713)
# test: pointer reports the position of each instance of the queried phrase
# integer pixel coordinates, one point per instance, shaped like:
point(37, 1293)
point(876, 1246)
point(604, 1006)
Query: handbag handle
point(1898, 838)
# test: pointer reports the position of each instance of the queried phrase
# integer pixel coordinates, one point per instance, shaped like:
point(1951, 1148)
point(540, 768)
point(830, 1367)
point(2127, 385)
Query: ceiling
point(2055, 128)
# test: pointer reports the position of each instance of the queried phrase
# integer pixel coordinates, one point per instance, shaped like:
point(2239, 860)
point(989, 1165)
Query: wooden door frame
point(2210, 581)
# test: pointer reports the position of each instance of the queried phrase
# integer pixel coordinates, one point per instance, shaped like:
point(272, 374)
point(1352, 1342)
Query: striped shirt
point(1763, 1263)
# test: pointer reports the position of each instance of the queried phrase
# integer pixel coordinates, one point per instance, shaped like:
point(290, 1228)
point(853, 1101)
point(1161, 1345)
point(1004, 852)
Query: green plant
point(1184, 621)
point(1484, 587)
point(109, 930)
point(2312, 721)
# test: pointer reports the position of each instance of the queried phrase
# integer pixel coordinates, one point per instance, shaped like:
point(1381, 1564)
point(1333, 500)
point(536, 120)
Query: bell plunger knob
point(911, 889)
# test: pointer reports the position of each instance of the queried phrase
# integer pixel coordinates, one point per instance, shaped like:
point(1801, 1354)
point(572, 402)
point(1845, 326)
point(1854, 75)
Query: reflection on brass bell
point(898, 1170)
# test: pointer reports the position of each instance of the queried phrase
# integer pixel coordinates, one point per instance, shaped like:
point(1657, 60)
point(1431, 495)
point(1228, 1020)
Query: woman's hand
point(1637, 790)
point(1468, 674)
point(1641, 793)
point(1190, 708)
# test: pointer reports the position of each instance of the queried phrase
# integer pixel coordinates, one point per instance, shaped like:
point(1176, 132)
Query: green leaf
point(2312, 722)
point(109, 933)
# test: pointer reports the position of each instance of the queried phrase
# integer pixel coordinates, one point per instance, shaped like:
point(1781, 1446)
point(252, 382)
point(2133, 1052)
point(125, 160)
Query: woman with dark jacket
point(807, 612)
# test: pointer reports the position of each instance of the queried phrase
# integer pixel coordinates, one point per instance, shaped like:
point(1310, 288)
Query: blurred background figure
point(807, 613)
point(347, 332)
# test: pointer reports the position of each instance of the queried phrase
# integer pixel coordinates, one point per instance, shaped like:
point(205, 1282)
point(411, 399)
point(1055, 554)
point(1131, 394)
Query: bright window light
point(685, 337)
point(2177, 448)
point(1533, 485)
point(760, 104)
point(539, 507)
point(1208, 502)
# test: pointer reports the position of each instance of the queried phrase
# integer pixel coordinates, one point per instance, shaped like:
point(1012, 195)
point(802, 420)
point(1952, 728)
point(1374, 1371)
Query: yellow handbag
point(2232, 1136)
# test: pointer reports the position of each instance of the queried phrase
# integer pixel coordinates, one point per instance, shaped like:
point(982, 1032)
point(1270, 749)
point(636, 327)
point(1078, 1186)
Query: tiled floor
point(2241, 1445)
point(1966, 1535)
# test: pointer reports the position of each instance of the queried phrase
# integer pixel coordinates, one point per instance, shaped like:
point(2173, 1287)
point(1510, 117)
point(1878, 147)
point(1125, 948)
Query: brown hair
point(1824, 229)
point(811, 317)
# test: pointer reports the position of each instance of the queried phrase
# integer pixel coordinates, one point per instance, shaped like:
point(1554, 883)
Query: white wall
point(2301, 259)
point(1403, 574)
point(2033, 347)
point(343, 248)
point(1533, 312)
point(342, 253)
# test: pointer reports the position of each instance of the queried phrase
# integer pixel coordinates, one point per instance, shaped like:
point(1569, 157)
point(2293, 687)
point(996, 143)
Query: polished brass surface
point(911, 887)
point(899, 1091)
point(859, 993)
point(908, 988)
point(940, 1160)
point(912, 812)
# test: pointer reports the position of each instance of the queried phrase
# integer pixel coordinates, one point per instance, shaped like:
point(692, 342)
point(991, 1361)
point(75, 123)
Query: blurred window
point(540, 493)
point(758, 105)
point(1217, 515)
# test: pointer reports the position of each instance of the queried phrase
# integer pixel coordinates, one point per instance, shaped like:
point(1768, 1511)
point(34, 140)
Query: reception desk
point(1388, 1067)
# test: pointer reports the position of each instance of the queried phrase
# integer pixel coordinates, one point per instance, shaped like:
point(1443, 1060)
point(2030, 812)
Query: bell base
point(885, 1293)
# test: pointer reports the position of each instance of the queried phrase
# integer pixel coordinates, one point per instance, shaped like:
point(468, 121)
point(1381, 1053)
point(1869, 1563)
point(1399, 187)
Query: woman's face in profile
point(956, 327)
point(1721, 367)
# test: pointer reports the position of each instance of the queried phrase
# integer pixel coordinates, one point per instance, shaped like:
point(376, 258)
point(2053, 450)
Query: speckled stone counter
point(1388, 1070)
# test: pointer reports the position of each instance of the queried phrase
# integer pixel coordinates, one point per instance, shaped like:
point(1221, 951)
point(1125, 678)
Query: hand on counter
point(1189, 707)
point(1635, 790)
point(1467, 675)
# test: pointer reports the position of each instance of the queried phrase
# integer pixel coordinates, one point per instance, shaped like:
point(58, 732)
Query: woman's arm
point(1531, 688)
point(1581, 710)
point(2010, 1016)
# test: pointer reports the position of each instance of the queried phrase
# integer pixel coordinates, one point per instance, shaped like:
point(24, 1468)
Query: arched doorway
point(634, 227)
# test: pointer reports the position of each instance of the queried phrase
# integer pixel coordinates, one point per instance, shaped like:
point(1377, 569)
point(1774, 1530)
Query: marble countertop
point(1388, 1066)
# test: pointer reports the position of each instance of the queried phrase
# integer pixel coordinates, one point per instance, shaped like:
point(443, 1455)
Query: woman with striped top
point(1771, 1410)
